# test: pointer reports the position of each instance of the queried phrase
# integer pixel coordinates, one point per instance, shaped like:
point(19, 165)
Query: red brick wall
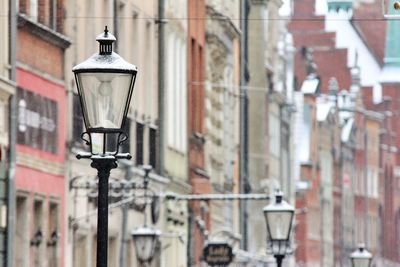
point(44, 11)
point(298, 24)
point(196, 75)
point(60, 16)
point(374, 34)
point(390, 184)
point(39, 54)
point(303, 8)
point(308, 250)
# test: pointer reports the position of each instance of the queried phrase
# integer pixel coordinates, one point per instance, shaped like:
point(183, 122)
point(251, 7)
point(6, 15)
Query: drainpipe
point(115, 23)
point(366, 197)
point(244, 78)
point(12, 136)
point(161, 83)
point(124, 226)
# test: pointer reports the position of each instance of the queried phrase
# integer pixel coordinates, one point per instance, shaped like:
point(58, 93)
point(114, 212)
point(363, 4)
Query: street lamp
point(105, 84)
point(145, 240)
point(279, 217)
point(361, 257)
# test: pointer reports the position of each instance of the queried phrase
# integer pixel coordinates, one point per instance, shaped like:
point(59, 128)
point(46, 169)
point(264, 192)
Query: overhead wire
point(281, 18)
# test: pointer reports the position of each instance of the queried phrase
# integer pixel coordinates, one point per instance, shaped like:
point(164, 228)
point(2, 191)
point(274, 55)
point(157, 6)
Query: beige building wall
point(175, 131)
point(258, 122)
point(222, 109)
point(326, 137)
point(7, 87)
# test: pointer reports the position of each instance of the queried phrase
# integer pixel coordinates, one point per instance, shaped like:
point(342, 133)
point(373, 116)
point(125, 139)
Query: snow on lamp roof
point(113, 62)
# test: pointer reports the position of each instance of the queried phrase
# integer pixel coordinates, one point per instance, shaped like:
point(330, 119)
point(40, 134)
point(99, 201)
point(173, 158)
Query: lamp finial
point(278, 196)
point(105, 40)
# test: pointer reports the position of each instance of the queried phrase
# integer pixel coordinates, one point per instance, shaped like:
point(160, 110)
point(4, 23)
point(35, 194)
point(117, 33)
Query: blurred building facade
point(320, 92)
point(7, 89)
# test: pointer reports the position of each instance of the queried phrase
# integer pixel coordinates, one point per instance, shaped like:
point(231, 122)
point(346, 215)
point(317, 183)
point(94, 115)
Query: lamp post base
point(279, 259)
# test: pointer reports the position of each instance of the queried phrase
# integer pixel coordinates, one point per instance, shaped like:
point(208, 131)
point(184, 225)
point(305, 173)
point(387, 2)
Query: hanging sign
point(218, 254)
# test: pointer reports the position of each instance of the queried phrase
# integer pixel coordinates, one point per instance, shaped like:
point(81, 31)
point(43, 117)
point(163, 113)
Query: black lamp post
point(105, 84)
point(279, 218)
point(361, 257)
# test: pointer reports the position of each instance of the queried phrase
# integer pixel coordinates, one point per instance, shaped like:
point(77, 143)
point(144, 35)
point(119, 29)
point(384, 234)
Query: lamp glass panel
point(279, 223)
point(104, 96)
point(361, 262)
point(144, 245)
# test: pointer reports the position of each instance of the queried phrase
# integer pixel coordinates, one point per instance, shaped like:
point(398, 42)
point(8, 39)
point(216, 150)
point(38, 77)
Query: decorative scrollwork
point(87, 140)
point(122, 137)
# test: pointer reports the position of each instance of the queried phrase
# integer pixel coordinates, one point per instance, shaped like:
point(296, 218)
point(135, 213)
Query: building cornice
point(7, 86)
point(224, 21)
point(177, 186)
point(43, 32)
point(50, 167)
point(41, 74)
point(260, 2)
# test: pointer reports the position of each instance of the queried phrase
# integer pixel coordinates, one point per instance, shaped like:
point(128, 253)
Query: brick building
point(198, 177)
point(41, 99)
point(364, 191)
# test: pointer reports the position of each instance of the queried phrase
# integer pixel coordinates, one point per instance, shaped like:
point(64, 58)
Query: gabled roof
point(370, 24)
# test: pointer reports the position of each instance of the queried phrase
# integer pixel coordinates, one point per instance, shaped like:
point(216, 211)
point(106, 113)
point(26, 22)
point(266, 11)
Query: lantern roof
point(113, 62)
point(106, 59)
point(144, 230)
point(361, 253)
point(279, 204)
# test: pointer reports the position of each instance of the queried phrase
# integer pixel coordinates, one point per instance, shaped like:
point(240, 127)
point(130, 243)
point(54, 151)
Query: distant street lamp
point(279, 217)
point(145, 240)
point(105, 84)
point(361, 257)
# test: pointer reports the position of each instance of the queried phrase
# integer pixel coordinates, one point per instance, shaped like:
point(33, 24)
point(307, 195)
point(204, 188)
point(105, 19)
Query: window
point(314, 220)
point(36, 237)
point(176, 93)
point(112, 251)
point(93, 250)
point(139, 143)
point(274, 135)
point(3, 116)
point(152, 147)
point(80, 259)
point(21, 233)
point(53, 235)
point(33, 9)
point(53, 15)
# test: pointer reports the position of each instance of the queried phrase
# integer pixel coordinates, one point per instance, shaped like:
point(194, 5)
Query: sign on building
point(37, 121)
point(218, 254)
